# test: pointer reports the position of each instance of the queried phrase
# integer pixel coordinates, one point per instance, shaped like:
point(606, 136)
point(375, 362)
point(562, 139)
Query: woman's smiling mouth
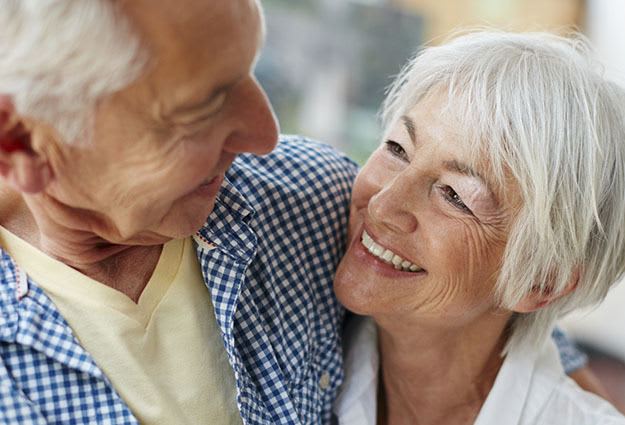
point(387, 256)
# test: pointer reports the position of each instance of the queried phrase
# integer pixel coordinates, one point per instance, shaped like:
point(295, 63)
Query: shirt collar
point(357, 399)
point(524, 384)
point(227, 226)
point(31, 319)
point(514, 391)
point(510, 390)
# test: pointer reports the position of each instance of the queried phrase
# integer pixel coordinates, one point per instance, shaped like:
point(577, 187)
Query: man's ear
point(538, 298)
point(21, 167)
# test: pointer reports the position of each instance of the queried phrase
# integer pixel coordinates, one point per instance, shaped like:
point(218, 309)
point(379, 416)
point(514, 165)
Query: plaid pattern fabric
point(279, 228)
point(268, 252)
point(570, 356)
point(46, 377)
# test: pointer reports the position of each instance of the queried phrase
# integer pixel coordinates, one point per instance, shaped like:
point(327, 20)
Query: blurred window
point(326, 65)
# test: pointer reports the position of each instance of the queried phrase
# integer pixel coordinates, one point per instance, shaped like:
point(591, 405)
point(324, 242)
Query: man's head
point(129, 112)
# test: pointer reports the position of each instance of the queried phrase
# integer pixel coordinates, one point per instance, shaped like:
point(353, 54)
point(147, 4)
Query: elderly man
point(120, 122)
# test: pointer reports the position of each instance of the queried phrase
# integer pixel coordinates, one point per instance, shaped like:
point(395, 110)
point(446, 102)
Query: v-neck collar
point(65, 280)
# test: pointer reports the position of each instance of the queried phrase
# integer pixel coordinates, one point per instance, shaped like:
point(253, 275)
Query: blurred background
point(327, 63)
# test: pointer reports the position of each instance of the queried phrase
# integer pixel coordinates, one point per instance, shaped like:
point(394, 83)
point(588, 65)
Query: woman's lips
point(387, 255)
point(368, 260)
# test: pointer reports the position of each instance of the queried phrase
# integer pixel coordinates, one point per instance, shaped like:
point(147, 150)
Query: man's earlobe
point(538, 299)
point(20, 166)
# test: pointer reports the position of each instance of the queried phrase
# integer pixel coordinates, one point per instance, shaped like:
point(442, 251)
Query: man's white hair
point(535, 107)
point(58, 57)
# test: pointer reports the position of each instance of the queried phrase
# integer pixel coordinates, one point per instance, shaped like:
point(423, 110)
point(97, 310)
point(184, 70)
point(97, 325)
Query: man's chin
point(185, 218)
point(189, 220)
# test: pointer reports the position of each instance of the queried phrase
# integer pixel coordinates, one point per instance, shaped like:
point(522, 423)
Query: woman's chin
point(352, 291)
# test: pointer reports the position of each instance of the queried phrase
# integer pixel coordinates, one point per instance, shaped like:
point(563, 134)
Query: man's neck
point(438, 376)
point(125, 268)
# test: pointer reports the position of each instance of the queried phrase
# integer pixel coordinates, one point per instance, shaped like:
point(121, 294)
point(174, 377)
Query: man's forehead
point(190, 21)
point(190, 37)
point(194, 47)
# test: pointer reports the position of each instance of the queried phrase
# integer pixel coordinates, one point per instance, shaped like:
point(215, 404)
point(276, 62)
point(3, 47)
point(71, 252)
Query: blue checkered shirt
point(278, 228)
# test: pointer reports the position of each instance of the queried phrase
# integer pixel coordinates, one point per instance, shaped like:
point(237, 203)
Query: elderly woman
point(493, 206)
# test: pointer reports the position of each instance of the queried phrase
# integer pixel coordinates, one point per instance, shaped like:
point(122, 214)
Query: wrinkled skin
point(440, 326)
point(413, 199)
point(160, 146)
point(182, 123)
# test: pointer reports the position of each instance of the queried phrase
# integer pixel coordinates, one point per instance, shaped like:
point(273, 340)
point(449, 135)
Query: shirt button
point(324, 381)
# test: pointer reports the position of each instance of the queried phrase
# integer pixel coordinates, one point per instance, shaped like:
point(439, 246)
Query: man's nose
point(257, 128)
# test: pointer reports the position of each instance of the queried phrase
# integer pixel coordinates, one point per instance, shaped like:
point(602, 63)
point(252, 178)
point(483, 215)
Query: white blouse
point(531, 388)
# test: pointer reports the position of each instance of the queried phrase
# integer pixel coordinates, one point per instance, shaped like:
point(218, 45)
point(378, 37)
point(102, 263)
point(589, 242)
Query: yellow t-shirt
point(164, 355)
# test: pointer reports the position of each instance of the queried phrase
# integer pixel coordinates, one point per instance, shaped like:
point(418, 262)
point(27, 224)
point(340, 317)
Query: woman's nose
point(392, 208)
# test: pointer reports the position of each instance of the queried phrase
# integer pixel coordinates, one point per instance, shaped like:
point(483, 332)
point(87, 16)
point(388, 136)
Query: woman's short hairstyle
point(58, 57)
point(537, 108)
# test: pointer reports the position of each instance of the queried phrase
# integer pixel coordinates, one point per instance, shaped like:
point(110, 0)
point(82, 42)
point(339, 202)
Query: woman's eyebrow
point(410, 127)
point(465, 169)
point(462, 168)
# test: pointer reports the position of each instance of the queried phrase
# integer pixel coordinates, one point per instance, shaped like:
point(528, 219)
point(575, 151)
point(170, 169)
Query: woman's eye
point(396, 149)
point(453, 198)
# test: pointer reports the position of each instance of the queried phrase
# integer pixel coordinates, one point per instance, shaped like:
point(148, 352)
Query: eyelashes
point(454, 199)
point(396, 150)
point(447, 192)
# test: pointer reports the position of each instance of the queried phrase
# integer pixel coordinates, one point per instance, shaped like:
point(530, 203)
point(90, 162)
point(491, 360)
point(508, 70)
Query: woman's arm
point(586, 379)
point(575, 364)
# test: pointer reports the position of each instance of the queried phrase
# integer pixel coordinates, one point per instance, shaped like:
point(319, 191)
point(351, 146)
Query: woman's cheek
point(378, 170)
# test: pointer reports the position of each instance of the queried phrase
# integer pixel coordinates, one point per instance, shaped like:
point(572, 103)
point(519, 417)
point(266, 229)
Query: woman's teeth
point(387, 255)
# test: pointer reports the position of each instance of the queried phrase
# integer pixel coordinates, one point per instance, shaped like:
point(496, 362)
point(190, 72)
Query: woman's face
point(427, 231)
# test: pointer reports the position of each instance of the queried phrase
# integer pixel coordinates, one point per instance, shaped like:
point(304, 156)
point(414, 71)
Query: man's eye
point(218, 102)
point(453, 198)
point(199, 115)
point(396, 149)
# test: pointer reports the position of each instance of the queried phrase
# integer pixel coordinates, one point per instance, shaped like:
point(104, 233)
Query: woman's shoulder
point(532, 389)
point(570, 404)
point(554, 398)
point(297, 164)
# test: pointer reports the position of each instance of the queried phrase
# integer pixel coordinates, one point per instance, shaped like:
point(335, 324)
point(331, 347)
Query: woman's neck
point(431, 375)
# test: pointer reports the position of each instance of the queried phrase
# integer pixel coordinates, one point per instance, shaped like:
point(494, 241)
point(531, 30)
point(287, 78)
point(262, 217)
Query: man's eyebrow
point(410, 127)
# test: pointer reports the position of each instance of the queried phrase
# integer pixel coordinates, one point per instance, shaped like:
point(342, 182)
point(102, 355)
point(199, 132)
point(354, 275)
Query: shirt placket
point(226, 246)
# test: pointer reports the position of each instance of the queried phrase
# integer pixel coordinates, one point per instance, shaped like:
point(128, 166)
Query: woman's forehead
point(435, 119)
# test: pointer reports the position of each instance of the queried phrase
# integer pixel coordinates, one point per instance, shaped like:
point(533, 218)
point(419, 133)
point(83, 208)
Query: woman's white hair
point(58, 57)
point(535, 107)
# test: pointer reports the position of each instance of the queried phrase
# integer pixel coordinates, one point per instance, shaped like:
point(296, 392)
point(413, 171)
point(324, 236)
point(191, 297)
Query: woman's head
point(524, 137)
